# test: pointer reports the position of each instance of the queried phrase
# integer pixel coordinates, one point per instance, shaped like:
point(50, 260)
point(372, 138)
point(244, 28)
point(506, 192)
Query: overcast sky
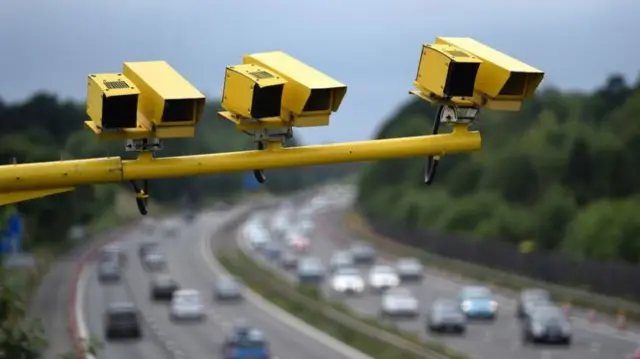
point(371, 45)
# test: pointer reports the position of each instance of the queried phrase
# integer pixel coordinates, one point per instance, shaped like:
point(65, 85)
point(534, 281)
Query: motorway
point(497, 340)
point(190, 262)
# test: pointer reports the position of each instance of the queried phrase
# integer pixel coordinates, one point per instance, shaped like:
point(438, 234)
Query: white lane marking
point(594, 347)
point(278, 313)
point(81, 323)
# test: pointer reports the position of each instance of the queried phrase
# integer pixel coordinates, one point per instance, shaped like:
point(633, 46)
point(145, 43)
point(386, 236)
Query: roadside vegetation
point(561, 175)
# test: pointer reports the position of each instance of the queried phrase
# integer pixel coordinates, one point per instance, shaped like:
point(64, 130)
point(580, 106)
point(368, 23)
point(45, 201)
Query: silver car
point(113, 253)
point(398, 302)
point(363, 253)
point(383, 277)
point(341, 259)
point(310, 271)
point(109, 271)
point(228, 289)
point(530, 299)
point(348, 281)
point(154, 261)
point(409, 269)
point(446, 316)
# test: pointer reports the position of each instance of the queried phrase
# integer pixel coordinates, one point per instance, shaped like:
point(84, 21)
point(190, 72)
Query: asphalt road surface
point(190, 263)
point(497, 340)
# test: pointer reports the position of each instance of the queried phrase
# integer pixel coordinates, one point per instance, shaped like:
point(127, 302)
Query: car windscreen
point(410, 263)
point(311, 265)
point(164, 283)
point(228, 285)
point(477, 293)
point(150, 247)
point(122, 316)
point(383, 270)
point(446, 310)
point(549, 316)
point(109, 267)
point(535, 294)
point(348, 272)
point(189, 299)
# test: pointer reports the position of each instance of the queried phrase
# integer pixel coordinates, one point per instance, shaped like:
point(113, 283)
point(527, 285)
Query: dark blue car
point(249, 345)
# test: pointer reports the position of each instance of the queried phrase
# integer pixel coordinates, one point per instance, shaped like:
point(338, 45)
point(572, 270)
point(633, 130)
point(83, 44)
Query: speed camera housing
point(446, 72)
point(251, 91)
point(112, 102)
point(502, 82)
point(168, 104)
point(309, 96)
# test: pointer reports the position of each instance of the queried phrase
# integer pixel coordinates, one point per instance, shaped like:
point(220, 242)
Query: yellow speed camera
point(251, 91)
point(112, 102)
point(502, 82)
point(309, 96)
point(446, 72)
point(168, 104)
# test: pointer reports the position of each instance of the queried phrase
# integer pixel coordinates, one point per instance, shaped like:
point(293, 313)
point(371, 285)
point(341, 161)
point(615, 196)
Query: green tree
point(540, 171)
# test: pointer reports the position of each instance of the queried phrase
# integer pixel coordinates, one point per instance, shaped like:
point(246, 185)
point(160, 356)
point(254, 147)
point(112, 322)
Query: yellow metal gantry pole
point(65, 174)
point(265, 97)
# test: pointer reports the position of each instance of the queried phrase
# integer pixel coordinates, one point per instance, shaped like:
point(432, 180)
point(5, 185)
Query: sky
point(372, 46)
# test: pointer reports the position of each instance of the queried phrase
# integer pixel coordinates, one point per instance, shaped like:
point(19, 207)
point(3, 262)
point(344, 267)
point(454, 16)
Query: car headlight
point(493, 306)
point(466, 306)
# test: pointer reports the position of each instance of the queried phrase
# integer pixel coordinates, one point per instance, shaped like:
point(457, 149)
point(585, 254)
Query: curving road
point(498, 340)
point(190, 261)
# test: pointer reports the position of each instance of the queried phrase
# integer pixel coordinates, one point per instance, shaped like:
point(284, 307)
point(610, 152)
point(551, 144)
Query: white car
point(256, 236)
point(409, 269)
point(154, 261)
point(187, 304)
point(170, 228)
point(399, 302)
point(383, 277)
point(341, 259)
point(347, 280)
point(149, 224)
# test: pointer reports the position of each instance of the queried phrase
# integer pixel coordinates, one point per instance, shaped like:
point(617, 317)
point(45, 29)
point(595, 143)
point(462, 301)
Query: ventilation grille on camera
point(119, 84)
point(260, 75)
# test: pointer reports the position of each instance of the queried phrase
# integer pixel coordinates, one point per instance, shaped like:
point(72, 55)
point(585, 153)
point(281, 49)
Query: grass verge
point(372, 337)
point(355, 224)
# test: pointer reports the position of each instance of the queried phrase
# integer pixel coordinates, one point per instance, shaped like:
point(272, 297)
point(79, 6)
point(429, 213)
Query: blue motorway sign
point(249, 182)
point(11, 235)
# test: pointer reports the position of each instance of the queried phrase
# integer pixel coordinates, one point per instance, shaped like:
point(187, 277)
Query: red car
point(299, 244)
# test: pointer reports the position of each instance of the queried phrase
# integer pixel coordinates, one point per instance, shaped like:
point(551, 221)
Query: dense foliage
point(43, 128)
point(563, 172)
